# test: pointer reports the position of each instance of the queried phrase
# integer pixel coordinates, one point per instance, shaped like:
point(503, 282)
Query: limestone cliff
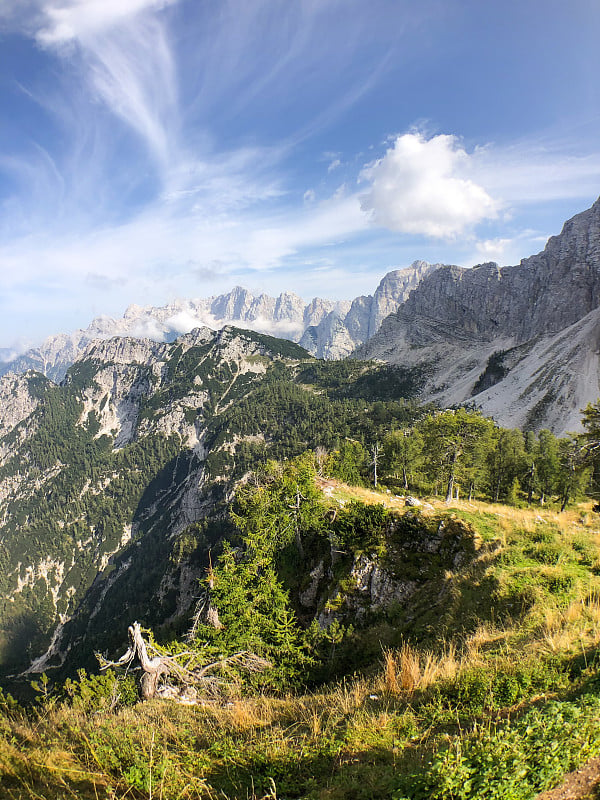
point(342, 330)
point(540, 315)
point(331, 329)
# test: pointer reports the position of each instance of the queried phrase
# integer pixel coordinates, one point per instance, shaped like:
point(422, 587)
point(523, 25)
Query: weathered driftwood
point(166, 675)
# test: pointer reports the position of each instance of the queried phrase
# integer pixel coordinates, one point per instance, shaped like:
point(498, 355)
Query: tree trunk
point(375, 454)
point(154, 668)
point(530, 488)
point(450, 487)
point(405, 478)
point(297, 534)
point(150, 680)
point(186, 677)
point(497, 492)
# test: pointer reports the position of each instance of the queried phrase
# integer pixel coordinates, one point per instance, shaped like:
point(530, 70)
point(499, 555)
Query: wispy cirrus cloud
point(61, 22)
point(54, 22)
point(120, 50)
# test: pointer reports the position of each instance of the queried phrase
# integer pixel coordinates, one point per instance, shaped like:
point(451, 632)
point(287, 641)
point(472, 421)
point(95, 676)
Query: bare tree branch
point(157, 667)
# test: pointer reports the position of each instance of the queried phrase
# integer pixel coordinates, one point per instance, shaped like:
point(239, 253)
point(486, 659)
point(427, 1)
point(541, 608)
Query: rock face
point(419, 552)
point(343, 329)
point(520, 342)
point(327, 329)
point(19, 397)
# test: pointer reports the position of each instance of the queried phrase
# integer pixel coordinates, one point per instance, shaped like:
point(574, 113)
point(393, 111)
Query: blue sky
point(153, 149)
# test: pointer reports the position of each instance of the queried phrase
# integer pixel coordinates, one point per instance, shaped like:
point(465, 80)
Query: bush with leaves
point(511, 761)
point(104, 692)
point(256, 616)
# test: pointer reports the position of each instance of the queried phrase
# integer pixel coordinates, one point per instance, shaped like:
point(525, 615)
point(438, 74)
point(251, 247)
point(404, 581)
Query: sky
point(161, 149)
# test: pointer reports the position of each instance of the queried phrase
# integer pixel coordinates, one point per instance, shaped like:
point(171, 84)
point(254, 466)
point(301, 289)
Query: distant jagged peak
point(341, 331)
point(287, 316)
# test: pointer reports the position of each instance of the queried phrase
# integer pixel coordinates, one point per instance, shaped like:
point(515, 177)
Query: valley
point(419, 581)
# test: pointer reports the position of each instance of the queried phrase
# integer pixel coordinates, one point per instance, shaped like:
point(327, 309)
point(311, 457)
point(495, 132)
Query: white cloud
point(505, 250)
point(184, 322)
point(58, 22)
point(492, 249)
point(421, 186)
point(146, 327)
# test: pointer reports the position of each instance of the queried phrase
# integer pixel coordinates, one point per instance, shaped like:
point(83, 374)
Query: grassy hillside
point(494, 692)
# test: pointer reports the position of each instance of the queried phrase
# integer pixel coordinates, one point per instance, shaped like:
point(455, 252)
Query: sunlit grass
point(354, 739)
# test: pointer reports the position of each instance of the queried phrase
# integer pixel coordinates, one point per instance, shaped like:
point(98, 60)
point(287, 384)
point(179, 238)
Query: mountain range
point(325, 328)
point(518, 342)
point(114, 481)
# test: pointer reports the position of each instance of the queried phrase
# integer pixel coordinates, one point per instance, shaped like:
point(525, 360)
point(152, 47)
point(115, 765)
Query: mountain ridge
point(457, 319)
point(330, 329)
point(108, 479)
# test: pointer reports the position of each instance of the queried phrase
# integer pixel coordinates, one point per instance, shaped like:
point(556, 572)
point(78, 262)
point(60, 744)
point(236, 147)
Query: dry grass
point(526, 519)
point(348, 724)
point(486, 637)
point(574, 628)
point(408, 670)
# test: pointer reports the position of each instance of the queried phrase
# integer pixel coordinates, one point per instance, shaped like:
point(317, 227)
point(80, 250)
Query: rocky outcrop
point(539, 315)
point(419, 551)
point(19, 397)
point(342, 330)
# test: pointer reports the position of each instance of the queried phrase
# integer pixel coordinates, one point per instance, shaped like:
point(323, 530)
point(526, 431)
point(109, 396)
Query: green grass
point(495, 693)
point(496, 732)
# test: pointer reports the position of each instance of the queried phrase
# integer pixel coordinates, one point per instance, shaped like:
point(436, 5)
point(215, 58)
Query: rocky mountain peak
point(287, 316)
point(538, 318)
point(124, 350)
point(578, 242)
point(341, 331)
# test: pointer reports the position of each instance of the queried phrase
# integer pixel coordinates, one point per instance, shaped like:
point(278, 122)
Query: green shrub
point(514, 761)
point(106, 691)
point(545, 553)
